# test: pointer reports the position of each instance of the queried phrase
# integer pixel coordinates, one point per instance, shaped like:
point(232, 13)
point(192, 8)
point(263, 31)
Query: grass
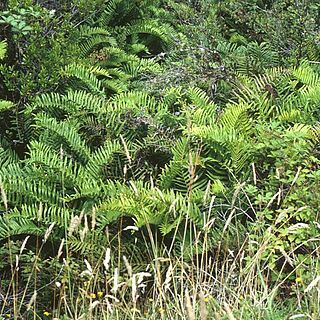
point(219, 283)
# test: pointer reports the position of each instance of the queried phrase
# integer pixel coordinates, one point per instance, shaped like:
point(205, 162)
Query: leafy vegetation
point(159, 159)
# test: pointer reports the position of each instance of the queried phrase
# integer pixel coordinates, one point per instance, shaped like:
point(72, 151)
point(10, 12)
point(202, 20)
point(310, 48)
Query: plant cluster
point(159, 151)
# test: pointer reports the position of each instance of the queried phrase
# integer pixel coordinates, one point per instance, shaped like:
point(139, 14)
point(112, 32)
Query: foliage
point(164, 150)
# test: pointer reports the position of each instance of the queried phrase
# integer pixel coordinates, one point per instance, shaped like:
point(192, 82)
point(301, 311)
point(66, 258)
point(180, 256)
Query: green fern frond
point(7, 156)
point(28, 191)
point(5, 105)
point(151, 27)
point(141, 66)
point(68, 131)
point(115, 85)
point(306, 75)
point(313, 50)
point(236, 117)
point(215, 133)
point(291, 115)
point(93, 38)
point(304, 131)
point(95, 43)
point(200, 98)
point(14, 226)
point(136, 100)
point(109, 12)
point(74, 102)
point(115, 57)
point(44, 160)
point(256, 59)
point(94, 241)
point(86, 31)
point(3, 49)
point(85, 101)
point(100, 158)
point(88, 75)
point(46, 213)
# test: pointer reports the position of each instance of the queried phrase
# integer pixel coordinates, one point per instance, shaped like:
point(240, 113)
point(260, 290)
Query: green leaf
point(5, 105)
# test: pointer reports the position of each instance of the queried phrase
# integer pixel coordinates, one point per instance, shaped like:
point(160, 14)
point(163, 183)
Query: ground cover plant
point(159, 159)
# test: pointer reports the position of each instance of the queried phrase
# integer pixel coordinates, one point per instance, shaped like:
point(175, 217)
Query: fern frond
point(136, 100)
point(46, 213)
point(306, 75)
point(94, 241)
point(88, 75)
point(108, 13)
point(5, 105)
point(27, 191)
point(141, 66)
point(74, 102)
point(236, 117)
point(3, 49)
point(100, 158)
point(67, 131)
point(151, 27)
point(14, 226)
point(199, 98)
point(93, 38)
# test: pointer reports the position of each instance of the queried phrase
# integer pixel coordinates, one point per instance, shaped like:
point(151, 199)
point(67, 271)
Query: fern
point(3, 49)
point(150, 27)
point(87, 75)
point(72, 140)
point(4, 105)
point(141, 67)
point(94, 38)
point(108, 13)
point(101, 157)
point(13, 226)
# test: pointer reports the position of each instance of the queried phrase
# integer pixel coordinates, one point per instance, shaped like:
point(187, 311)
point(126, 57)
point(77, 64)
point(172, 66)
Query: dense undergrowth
point(159, 159)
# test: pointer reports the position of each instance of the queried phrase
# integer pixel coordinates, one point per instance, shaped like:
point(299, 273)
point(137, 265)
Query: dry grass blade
point(190, 310)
